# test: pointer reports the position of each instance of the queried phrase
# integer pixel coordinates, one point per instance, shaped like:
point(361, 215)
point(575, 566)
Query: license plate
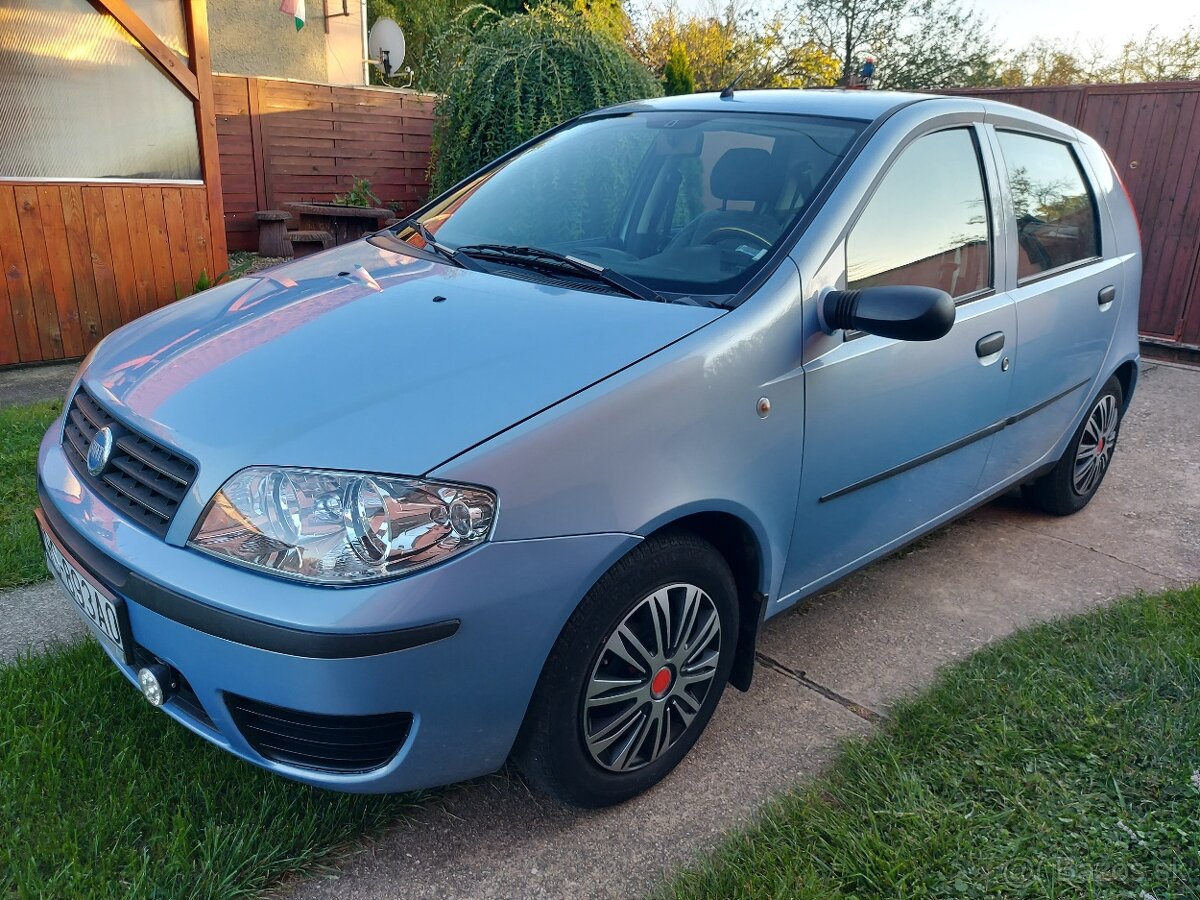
point(99, 608)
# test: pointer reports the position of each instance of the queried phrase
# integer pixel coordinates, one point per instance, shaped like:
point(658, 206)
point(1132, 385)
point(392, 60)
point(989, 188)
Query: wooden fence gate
point(1152, 134)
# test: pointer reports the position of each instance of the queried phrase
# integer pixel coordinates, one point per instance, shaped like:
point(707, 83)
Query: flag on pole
point(295, 9)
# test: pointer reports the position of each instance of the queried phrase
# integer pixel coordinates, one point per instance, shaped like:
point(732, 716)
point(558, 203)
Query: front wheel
point(635, 675)
point(1071, 484)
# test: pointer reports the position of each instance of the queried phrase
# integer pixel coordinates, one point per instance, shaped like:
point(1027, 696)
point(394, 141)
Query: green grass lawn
point(21, 430)
point(1060, 763)
point(103, 796)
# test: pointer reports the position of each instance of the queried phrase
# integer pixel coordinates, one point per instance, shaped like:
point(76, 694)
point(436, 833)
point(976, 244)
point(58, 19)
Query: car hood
point(364, 359)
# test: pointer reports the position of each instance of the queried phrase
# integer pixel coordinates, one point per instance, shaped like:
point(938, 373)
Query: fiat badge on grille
point(99, 451)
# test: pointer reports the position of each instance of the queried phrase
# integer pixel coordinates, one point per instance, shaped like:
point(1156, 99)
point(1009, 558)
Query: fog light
point(156, 683)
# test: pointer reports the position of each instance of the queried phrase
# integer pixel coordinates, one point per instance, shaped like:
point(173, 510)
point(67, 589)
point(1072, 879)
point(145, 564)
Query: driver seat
point(747, 174)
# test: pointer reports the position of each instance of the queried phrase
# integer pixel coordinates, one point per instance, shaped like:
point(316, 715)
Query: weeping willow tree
point(508, 79)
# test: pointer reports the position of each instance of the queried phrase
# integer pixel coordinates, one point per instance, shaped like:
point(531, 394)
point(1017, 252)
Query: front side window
point(686, 203)
point(927, 223)
point(1055, 210)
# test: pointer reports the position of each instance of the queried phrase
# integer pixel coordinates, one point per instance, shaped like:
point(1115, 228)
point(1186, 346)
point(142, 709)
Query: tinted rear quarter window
point(1055, 210)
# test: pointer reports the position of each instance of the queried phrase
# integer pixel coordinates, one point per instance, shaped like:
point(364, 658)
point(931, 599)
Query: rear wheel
point(1071, 484)
point(635, 675)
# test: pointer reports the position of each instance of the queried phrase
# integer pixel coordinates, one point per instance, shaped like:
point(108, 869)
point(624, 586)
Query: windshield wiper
point(539, 258)
point(450, 255)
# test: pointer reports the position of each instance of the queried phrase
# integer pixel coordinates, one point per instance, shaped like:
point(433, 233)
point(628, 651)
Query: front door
point(897, 433)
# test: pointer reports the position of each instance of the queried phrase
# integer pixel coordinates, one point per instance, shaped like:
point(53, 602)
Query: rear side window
point(1055, 209)
point(927, 223)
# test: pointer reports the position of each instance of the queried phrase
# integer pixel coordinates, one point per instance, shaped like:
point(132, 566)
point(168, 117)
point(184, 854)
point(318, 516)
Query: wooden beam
point(166, 58)
point(206, 126)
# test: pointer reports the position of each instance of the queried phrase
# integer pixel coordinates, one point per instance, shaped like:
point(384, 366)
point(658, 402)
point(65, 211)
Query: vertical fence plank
point(102, 269)
point(37, 264)
point(16, 279)
point(79, 247)
point(122, 253)
point(9, 350)
point(181, 263)
point(195, 217)
point(62, 279)
point(160, 246)
point(139, 246)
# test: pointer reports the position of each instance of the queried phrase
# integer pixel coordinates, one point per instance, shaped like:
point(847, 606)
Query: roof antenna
point(728, 92)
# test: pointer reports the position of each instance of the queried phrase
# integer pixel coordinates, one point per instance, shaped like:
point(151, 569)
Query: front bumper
point(459, 646)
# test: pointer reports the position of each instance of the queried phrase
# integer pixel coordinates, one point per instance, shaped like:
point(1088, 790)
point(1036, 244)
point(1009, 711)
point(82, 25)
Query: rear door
point(1067, 294)
point(896, 432)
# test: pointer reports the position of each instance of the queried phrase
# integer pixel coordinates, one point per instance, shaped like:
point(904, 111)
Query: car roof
point(836, 102)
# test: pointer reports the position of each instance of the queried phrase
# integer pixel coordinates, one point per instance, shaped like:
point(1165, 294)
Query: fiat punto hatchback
point(522, 476)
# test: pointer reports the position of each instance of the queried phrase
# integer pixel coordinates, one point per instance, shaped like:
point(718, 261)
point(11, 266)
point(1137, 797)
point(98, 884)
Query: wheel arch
point(1127, 374)
point(743, 551)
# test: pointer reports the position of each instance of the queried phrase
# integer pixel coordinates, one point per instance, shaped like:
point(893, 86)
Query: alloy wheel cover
point(1096, 444)
point(652, 677)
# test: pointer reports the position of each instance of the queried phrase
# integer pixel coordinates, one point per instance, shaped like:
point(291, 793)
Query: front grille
point(342, 744)
point(143, 479)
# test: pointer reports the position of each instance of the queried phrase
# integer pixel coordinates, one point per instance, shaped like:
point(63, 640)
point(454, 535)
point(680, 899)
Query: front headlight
point(341, 527)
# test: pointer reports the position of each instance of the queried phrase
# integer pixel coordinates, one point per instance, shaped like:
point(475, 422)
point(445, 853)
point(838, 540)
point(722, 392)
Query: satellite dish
point(386, 46)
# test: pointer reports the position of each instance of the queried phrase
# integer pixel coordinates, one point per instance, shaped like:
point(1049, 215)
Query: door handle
point(1107, 295)
point(989, 344)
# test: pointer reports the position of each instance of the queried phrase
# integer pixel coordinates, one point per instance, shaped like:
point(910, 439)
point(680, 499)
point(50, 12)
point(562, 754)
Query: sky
point(1110, 22)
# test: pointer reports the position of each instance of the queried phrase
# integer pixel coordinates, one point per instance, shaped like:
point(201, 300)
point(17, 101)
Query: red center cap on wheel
point(661, 683)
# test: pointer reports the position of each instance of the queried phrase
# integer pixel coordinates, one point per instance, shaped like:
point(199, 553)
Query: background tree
point(734, 40)
point(427, 23)
point(508, 79)
point(678, 77)
point(919, 44)
point(1044, 62)
point(1158, 57)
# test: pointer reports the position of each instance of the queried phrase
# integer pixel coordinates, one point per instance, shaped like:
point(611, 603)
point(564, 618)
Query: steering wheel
point(727, 232)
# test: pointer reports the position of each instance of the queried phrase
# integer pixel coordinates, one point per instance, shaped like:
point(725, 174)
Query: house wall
point(255, 38)
point(344, 48)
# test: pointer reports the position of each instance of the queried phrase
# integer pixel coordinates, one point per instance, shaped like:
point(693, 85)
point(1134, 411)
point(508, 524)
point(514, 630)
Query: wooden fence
point(84, 259)
point(282, 141)
point(1152, 134)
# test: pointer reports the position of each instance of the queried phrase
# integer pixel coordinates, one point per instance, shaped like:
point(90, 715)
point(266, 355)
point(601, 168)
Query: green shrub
point(678, 77)
point(358, 195)
point(509, 79)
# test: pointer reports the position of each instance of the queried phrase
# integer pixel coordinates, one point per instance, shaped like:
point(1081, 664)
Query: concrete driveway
point(827, 670)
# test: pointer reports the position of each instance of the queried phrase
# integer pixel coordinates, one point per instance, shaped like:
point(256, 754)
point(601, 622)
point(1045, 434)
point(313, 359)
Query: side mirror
point(904, 312)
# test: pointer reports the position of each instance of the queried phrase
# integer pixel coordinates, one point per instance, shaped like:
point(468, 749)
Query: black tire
point(552, 749)
point(1063, 490)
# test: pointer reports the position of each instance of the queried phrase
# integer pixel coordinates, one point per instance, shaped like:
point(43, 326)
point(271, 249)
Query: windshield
point(685, 203)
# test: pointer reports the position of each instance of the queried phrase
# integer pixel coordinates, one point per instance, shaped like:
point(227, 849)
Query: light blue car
point(522, 476)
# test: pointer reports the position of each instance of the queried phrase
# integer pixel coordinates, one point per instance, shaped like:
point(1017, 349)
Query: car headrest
point(746, 173)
